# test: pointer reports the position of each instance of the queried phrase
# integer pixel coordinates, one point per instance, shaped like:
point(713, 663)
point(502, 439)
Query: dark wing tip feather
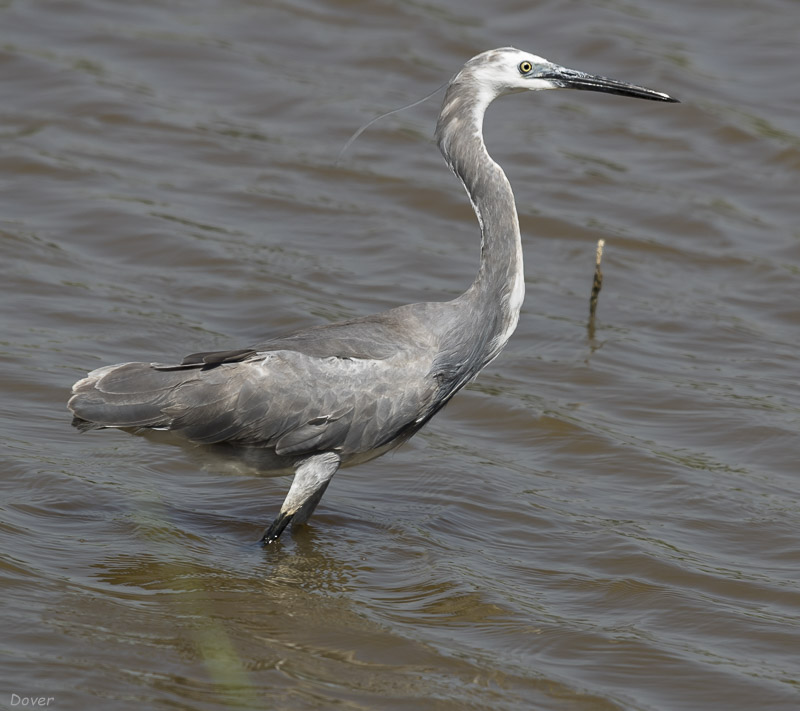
point(208, 359)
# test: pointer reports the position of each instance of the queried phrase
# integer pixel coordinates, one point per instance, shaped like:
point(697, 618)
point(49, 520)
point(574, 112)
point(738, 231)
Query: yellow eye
point(525, 67)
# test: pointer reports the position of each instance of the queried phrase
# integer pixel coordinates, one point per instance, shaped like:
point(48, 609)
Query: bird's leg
point(311, 478)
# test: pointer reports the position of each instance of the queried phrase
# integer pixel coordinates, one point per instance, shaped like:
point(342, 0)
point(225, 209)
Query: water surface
point(598, 522)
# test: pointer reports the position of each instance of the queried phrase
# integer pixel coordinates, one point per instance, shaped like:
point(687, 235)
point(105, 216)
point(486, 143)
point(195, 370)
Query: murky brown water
point(607, 523)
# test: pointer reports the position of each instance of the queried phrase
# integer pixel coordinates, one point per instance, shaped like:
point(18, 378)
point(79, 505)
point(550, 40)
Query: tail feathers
point(126, 395)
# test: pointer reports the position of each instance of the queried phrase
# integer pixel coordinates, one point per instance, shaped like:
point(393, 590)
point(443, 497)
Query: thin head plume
point(369, 123)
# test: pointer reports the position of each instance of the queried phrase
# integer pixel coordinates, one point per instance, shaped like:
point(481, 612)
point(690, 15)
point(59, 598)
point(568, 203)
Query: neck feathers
point(499, 288)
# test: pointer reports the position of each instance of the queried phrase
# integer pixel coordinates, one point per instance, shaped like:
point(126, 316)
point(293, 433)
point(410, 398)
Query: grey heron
point(341, 394)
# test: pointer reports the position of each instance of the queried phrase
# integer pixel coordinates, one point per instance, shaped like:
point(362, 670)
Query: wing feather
point(351, 387)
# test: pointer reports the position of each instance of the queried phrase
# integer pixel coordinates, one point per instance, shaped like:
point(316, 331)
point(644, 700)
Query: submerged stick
point(597, 284)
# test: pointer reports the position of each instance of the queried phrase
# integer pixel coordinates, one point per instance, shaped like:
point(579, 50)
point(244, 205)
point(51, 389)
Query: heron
point(341, 394)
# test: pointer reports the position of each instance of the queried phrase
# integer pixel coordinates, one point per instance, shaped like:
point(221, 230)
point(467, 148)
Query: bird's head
point(508, 70)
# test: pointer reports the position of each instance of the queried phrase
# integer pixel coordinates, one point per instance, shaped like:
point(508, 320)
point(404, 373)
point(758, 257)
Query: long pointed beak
point(572, 79)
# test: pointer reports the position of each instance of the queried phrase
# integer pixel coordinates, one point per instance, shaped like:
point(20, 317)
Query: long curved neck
point(498, 290)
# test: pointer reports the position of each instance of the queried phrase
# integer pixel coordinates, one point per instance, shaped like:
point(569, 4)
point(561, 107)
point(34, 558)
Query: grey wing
point(291, 402)
point(353, 386)
point(400, 331)
point(371, 337)
point(298, 404)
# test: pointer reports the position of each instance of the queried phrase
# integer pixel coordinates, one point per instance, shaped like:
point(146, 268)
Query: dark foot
point(273, 533)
